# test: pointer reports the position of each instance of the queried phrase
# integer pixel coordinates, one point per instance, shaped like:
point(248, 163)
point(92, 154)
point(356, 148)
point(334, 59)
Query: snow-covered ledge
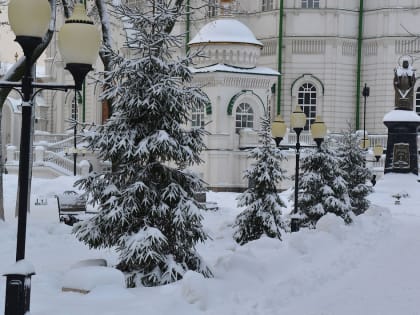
point(401, 115)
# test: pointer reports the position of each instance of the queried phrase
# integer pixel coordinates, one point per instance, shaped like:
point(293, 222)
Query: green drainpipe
point(359, 64)
point(280, 56)
point(187, 37)
point(84, 92)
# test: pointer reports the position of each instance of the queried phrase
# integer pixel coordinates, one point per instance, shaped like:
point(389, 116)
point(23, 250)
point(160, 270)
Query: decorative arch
point(308, 92)
point(307, 77)
point(242, 93)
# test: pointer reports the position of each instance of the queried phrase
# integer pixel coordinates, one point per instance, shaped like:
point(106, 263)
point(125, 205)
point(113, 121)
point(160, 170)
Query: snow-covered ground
point(371, 267)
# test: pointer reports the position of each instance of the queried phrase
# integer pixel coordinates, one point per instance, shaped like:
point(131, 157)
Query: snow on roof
point(401, 115)
point(227, 68)
point(225, 30)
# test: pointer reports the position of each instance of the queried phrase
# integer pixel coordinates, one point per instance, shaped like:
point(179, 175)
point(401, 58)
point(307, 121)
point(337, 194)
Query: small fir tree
point(322, 187)
point(146, 207)
point(263, 214)
point(355, 172)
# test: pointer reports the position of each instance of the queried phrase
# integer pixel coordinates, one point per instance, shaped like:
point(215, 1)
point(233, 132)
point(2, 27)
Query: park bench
point(70, 206)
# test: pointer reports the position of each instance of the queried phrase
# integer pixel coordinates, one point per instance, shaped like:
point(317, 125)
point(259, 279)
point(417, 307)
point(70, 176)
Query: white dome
point(225, 31)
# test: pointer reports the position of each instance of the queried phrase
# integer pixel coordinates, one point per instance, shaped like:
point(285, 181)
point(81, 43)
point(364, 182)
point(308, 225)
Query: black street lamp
point(297, 121)
point(79, 42)
point(365, 93)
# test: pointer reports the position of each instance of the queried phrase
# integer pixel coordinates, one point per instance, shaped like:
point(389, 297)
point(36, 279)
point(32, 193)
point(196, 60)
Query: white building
point(325, 50)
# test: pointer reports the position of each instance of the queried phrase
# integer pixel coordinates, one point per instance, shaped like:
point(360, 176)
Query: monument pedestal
point(402, 151)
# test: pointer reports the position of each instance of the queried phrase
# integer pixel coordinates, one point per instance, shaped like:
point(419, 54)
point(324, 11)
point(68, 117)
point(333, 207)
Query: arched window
point(197, 116)
point(417, 106)
point(307, 101)
point(244, 116)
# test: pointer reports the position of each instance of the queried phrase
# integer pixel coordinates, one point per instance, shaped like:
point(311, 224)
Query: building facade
point(325, 50)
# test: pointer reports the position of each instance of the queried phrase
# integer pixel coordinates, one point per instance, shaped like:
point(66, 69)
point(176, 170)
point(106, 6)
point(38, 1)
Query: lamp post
point(79, 42)
point(365, 93)
point(297, 121)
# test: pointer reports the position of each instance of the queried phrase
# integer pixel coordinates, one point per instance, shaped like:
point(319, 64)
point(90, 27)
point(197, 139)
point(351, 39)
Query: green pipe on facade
point(84, 91)
point(187, 37)
point(280, 57)
point(359, 64)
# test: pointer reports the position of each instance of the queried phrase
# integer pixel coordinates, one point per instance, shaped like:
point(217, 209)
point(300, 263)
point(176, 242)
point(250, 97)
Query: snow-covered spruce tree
point(263, 214)
point(322, 188)
point(355, 172)
point(146, 207)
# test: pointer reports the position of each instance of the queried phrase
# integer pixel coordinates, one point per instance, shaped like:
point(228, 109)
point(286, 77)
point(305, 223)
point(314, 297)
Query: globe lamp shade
point(378, 150)
point(79, 41)
point(298, 119)
point(29, 18)
point(318, 128)
point(278, 127)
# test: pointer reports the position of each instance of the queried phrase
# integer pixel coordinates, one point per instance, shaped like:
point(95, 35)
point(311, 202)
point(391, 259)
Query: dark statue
point(404, 80)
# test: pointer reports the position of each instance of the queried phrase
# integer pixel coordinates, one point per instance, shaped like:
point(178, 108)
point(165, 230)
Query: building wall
point(323, 43)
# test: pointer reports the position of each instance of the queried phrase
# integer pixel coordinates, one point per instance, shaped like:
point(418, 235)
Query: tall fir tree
point(355, 172)
point(263, 212)
point(146, 207)
point(322, 187)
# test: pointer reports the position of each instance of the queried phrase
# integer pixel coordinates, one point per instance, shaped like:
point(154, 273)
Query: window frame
point(244, 116)
point(310, 4)
point(307, 99)
point(267, 5)
point(212, 8)
point(198, 116)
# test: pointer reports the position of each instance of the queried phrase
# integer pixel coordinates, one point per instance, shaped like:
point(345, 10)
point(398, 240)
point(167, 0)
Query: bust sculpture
point(404, 80)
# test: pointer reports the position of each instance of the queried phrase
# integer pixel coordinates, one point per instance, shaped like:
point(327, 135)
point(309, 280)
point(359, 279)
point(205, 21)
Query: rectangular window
point(266, 5)
point(310, 4)
point(212, 8)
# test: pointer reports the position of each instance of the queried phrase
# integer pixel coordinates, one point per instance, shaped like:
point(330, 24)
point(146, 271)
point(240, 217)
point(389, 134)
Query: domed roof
point(225, 31)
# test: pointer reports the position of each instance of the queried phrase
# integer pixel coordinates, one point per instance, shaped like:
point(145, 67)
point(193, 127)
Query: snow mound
point(194, 289)
point(332, 224)
point(84, 279)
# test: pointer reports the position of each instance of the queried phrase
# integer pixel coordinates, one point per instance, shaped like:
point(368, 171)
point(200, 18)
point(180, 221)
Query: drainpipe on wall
point(280, 56)
point(187, 37)
point(84, 91)
point(359, 64)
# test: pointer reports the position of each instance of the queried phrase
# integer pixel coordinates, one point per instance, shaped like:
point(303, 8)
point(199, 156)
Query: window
point(267, 5)
point(417, 107)
point(212, 9)
point(307, 101)
point(76, 107)
point(244, 116)
point(197, 116)
point(310, 4)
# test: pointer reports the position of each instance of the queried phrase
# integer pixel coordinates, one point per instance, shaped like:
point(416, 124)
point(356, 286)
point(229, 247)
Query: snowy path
point(386, 281)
